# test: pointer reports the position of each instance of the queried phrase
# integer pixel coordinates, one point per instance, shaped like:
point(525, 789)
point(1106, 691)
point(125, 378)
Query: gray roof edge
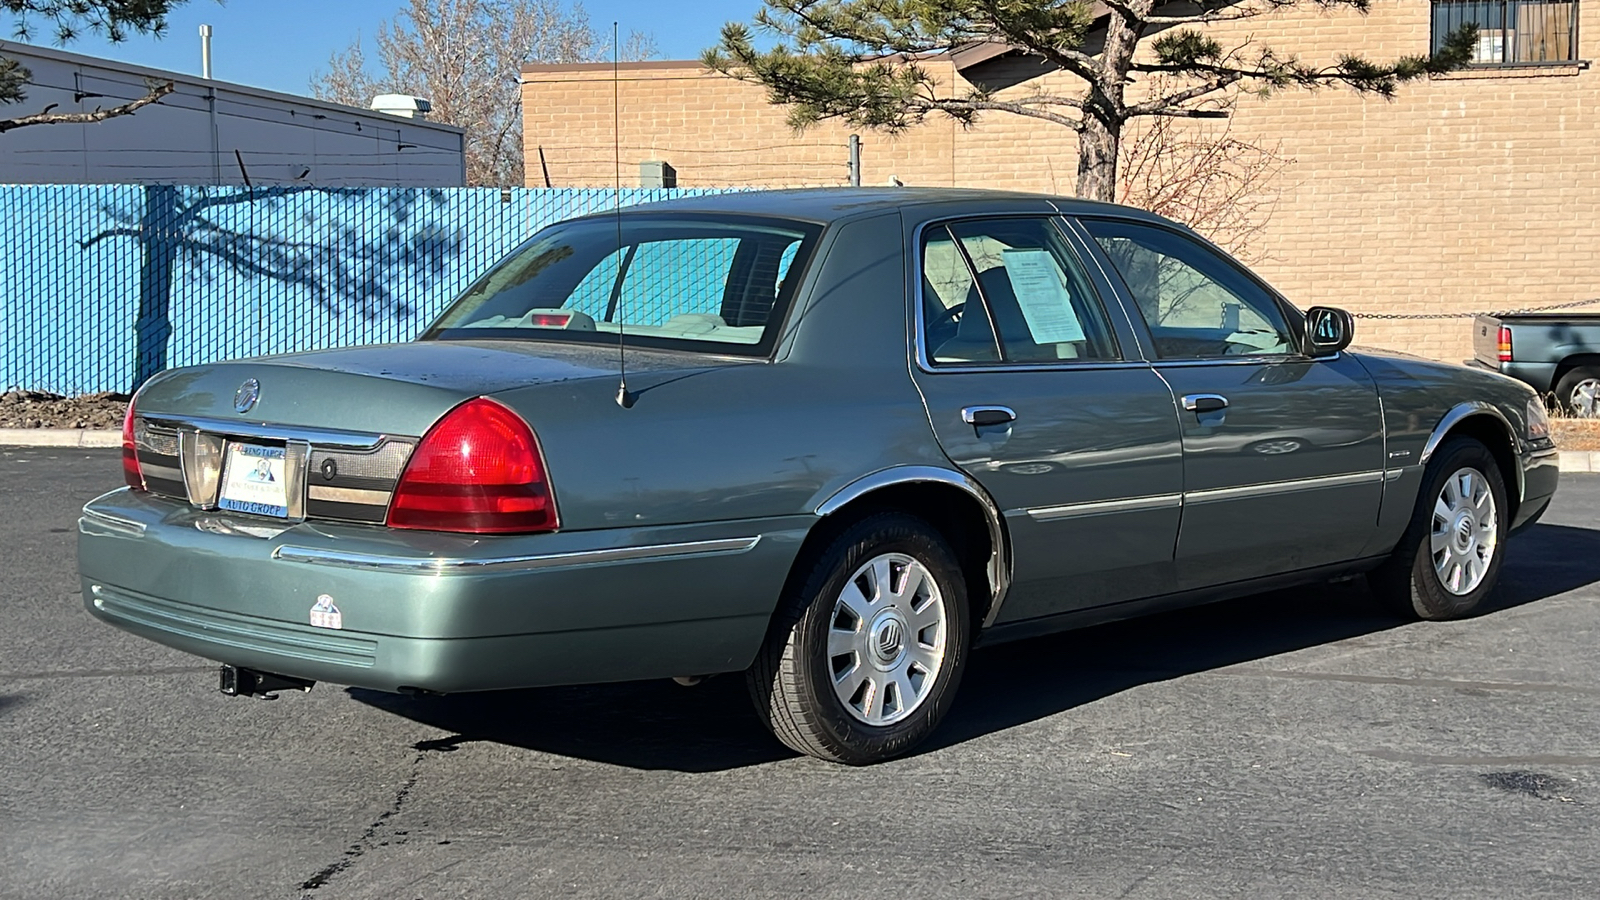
point(838, 204)
point(17, 50)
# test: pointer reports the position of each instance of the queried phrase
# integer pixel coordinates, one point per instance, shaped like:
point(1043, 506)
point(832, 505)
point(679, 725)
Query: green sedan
point(831, 439)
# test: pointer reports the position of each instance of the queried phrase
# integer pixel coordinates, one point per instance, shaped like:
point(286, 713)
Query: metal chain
point(1469, 315)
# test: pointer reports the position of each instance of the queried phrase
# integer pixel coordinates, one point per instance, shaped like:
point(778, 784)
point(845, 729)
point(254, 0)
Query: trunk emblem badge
point(245, 398)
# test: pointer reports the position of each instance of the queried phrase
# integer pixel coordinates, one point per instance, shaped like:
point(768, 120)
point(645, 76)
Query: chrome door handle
point(1201, 403)
point(981, 416)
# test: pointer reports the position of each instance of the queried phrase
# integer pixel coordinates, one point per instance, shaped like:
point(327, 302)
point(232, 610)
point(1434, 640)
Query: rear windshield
point(720, 284)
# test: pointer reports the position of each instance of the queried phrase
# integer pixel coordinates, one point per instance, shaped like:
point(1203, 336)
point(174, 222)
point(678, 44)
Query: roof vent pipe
point(205, 52)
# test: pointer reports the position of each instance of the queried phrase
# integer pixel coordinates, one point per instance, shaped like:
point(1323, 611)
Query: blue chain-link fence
point(101, 285)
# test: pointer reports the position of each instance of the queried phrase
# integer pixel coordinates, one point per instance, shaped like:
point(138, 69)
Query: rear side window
point(1008, 290)
point(707, 282)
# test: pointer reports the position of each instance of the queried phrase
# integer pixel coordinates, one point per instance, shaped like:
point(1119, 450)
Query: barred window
point(1512, 32)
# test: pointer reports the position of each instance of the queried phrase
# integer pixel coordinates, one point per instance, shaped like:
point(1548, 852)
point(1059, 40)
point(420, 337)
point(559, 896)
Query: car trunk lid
point(336, 426)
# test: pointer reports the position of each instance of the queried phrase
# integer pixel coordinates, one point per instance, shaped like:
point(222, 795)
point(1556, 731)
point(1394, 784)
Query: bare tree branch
point(1171, 104)
point(1222, 186)
point(466, 58)
point(98, 115)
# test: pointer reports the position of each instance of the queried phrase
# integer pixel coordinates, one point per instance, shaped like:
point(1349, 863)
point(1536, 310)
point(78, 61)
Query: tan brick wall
point(715, 132)
point(1473, 191)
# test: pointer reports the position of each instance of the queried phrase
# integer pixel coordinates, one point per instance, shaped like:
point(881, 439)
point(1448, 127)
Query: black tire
point(1408, 583)
point(1568, 397)
point(791, 681)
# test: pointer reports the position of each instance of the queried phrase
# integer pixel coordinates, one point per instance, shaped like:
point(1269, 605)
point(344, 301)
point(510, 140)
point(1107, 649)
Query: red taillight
point(477, 470)
point(1505, 343)
point(130, 453)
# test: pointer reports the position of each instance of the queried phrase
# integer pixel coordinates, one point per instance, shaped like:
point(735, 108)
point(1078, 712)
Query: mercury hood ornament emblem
point(245, 398)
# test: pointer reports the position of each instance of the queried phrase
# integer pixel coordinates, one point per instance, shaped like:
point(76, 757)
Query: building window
point(1512, 32)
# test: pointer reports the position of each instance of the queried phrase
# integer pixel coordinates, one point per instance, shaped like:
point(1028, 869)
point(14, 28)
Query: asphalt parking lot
point(1295, 744)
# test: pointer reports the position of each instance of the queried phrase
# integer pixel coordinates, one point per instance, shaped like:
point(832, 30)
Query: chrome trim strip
point(1267, 489)
point(1453, 418)
point(435, 565)
point(110, 521)
point(1253, 359)
point(999, 560)
point(319, 437)
point(1101, 507)
point(349, 495)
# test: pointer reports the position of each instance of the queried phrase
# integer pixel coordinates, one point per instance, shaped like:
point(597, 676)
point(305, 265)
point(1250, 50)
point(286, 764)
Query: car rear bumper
point(435, 612)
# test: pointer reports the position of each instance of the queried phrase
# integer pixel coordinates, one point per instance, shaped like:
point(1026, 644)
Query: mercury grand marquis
point(831, 439)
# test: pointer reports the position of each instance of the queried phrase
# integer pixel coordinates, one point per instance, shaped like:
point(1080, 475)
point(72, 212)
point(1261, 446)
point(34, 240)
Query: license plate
point(255, 480)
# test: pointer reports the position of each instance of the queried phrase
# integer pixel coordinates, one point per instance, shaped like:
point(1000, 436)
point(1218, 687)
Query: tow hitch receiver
point(237, 682)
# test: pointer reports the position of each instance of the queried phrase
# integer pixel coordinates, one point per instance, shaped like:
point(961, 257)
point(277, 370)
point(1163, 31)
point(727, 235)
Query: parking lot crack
point(380, 832)
point(1403, 681)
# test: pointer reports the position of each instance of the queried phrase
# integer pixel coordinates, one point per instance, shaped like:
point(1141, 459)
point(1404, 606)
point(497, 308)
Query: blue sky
point(278, 44)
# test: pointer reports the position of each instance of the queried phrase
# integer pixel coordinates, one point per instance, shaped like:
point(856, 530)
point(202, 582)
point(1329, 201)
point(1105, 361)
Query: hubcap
point(1585, 399)
point(1465, 531)
point(886, 639)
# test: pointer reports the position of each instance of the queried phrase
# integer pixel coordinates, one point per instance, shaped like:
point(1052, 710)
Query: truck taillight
point(478, 470)
point(131, 472)
point(1504, 343)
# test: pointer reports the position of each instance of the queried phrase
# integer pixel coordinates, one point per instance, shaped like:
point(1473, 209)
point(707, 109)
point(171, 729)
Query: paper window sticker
point(1045, 301)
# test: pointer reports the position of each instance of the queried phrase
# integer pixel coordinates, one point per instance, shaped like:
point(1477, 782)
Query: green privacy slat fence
point(101, 284)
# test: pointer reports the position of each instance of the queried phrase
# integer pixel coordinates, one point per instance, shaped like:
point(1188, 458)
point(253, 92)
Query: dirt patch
point(1576, 434)
point(37, 409)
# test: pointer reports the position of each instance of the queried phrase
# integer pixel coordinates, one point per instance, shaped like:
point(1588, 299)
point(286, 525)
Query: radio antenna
point(624, 397)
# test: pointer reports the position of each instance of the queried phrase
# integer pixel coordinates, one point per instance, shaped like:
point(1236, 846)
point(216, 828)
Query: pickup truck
point(1556, 354)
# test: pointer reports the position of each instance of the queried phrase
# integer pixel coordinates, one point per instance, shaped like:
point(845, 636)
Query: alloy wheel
point(1584, 400)
point(886, 639)
point(1465, 531)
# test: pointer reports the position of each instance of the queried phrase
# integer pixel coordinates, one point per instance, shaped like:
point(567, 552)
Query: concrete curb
point(1580, 460)
point(59, 437)
point(1571, 460)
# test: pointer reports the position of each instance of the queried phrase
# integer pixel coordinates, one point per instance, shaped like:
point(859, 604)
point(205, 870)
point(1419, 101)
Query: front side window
point(1196, 304)
point(1008, 290)
point(1511, 32)
point(716, 283)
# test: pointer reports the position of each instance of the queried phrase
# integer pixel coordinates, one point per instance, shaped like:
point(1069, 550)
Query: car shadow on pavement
point(712, 727)
point(1547, 560)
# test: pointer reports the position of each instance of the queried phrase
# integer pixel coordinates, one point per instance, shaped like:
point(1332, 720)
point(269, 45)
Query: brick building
point(1476, 190)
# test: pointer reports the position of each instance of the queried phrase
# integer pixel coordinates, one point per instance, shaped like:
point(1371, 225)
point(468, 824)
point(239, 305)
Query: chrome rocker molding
point(1101, 507)
point(1267, 489)
point(434, 565)
point(1213, 495)
point(999, 561)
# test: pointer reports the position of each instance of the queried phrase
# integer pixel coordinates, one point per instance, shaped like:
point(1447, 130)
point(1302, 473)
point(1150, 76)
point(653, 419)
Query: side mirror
point(1328, 330)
